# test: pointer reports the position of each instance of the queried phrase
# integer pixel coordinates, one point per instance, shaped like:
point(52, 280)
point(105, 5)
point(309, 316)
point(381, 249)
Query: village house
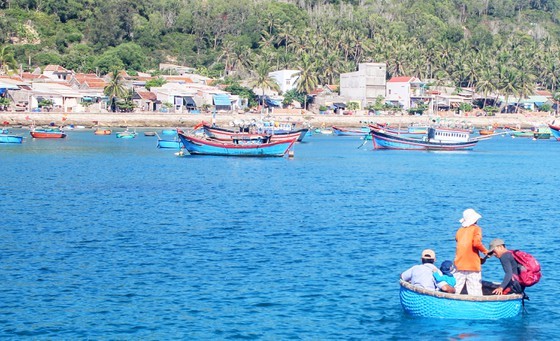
point(57, 73)
point(407, 92)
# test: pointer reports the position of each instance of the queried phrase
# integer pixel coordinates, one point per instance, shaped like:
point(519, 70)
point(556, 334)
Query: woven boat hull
point(424, 303)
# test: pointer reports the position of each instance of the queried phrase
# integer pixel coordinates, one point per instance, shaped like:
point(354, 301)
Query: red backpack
point(529, 268)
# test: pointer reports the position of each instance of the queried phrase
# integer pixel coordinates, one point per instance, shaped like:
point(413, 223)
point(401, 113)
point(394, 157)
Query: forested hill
point(498, 43)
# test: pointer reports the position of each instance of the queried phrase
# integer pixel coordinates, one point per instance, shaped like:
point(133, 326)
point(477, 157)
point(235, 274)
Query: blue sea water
point(103, 238)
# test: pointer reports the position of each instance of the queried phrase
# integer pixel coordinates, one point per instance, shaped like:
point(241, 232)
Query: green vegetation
point(500, 47)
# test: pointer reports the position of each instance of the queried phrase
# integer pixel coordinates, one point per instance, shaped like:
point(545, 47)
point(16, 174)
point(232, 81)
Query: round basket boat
point(436, 304)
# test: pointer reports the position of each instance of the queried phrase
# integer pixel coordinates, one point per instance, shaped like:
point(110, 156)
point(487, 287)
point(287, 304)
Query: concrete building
point(286, 79)
point(407, 92)
point(364, 85)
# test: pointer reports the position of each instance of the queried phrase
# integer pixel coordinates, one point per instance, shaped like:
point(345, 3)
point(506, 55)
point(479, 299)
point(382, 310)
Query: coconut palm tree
point(485, 84)
point(261, 79)
point(7, 59)
point(307, 79)
point(115, 89)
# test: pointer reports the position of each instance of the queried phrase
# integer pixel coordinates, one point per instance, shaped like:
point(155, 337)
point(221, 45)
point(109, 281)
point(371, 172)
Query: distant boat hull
point(420, 302)
point(229, 135)
point(47, 134)
point(125, 135)
point(384, 140)
point(7, 138)
point(169, 131)
point(485, 132)
point(349, 132)
point(203, 146)
point(169, 144)
point(102, 132)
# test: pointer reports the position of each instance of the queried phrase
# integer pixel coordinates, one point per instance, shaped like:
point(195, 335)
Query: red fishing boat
point(47, 133)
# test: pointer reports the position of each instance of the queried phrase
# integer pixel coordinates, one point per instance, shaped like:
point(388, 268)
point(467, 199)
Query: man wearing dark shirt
point(510, 266)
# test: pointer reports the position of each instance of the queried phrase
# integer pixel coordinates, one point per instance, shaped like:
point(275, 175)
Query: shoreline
point(150, 119)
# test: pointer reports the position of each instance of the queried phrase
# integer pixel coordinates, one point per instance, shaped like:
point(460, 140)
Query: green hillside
point(504, 46)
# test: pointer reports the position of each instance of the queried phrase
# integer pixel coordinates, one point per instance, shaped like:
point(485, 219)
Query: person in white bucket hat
point(467, 255)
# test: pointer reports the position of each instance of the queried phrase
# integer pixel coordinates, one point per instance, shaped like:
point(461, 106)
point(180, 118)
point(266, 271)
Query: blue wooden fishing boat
point(555, 131)
point(235, 147)
point(420, 302)
point(6, 137)
point(169, 144)
point(350, 132)
point(169, 131)
point(436, 139)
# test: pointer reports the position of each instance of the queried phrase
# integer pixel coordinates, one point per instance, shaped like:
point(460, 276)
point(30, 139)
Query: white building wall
point(286, 79)
point(399, 91)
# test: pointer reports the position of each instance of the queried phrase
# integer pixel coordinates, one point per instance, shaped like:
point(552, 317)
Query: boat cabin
point(447, 135)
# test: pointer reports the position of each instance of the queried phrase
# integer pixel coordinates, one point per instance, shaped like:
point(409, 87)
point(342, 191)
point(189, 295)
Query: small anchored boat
point(435, 139)
point(420, 302)
point(47, 133)
point(102, 131)
point(338, 131)
point(6, 137)
point(127, 134)
point(175, 143)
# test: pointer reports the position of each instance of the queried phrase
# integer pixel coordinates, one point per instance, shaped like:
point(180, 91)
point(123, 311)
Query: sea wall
point(150, 119)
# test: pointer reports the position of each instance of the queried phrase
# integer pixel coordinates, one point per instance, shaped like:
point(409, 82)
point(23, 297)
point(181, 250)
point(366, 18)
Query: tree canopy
point(495, 46)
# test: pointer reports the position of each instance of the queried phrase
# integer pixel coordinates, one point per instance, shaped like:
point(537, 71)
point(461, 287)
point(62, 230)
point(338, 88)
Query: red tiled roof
point(545, 93)
point(316, 91)
point(177, 79)
point(147, 95)
point(90, 79)
point(27, 75)
point(55, 68)
point(402, 79)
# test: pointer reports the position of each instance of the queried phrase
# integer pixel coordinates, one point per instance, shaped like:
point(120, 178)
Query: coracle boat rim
point(457, 297)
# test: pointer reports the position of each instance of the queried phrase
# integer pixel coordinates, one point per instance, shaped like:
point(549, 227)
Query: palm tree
point(307, 79)
point(485, 84)
point(261, 79)
point(115, 89)
point(7, 59)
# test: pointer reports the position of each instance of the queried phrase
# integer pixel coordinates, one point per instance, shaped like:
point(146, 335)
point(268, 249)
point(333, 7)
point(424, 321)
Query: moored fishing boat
point(6, 137)
point(169, 144)
point(235, 147)
point(47, 133)
point(229, 135)
point(350, 131)
point(542, 133)
point(484, 132)
point(102, 131)
point(555, 131)
point(127, 134)
point(169, 131)
point(421, 302)
point(435, 139)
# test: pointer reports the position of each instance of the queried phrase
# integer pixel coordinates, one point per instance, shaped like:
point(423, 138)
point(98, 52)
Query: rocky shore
point(150, 119)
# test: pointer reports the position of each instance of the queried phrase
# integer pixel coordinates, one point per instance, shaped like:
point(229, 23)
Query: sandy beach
point(157, 119)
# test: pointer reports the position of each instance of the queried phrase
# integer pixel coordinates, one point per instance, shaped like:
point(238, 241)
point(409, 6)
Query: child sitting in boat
point(446, 275)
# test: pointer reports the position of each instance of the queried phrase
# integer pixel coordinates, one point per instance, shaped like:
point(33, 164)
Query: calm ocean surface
point(104, 238)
